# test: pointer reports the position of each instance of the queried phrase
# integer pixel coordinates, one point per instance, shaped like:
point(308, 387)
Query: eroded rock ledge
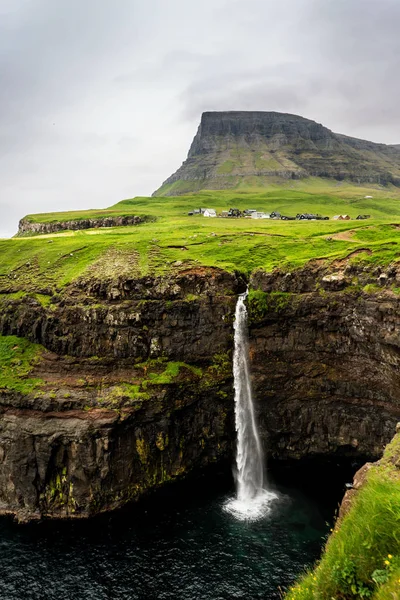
point(28, 227)
point(137, 387)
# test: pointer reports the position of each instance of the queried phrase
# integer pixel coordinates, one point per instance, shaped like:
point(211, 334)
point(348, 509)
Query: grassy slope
point(17, 358)
point(362, 555)
point(46, 263)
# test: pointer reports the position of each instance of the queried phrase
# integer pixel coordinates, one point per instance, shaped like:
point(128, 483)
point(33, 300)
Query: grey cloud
point(99, 100)
point(345, 74)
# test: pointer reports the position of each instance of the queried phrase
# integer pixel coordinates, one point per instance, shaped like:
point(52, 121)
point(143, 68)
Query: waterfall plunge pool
point(179, 543)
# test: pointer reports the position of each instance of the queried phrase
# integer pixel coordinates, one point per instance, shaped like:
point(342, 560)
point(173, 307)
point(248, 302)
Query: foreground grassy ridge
point(44, 264)
point(17, 359)
point(362, 555)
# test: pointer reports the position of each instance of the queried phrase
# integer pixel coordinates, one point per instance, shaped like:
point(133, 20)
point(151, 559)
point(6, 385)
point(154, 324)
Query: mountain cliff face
point(254, 149)
point(134, 385)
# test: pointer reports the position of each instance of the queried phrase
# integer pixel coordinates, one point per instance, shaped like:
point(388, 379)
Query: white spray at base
point(252, 499)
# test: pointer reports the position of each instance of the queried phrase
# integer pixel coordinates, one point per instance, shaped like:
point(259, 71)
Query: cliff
point(26, 226)
point(125, 382)
point(257, 149)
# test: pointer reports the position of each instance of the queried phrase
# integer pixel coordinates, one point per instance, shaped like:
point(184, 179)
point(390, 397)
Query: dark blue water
point(177, 545)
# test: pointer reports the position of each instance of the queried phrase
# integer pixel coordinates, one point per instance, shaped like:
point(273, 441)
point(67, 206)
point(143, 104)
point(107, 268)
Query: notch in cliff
point(254, 149)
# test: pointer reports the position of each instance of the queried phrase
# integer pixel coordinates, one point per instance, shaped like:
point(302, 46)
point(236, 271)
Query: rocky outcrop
point(185, 317)
point(86, 460)
point(103, 430)
point(137, 388)
point(29, 227)
point(326, 373)
point(232, 148)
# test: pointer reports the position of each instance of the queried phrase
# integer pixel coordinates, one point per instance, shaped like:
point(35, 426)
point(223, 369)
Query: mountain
point(254, 149)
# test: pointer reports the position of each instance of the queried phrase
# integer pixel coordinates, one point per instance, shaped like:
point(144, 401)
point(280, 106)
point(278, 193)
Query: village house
point(342, 218)
point(210, 212)
point(260, 215)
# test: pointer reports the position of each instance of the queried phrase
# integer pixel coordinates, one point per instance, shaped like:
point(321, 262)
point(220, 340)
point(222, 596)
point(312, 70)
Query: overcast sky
point(100, 99)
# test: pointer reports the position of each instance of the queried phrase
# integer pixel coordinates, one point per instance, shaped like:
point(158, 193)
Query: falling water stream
point(252, 498)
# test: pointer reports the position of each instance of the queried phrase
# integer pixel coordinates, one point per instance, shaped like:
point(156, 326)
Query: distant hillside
point(255, 149)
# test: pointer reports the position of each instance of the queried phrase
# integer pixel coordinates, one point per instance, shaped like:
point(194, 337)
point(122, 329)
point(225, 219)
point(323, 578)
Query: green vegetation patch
point(123, 394)
point(261, 303)
point(226, 167)
point(18, 356)
point(172, 372)
point(152, 373)
point(362, 555)
point(160, 372)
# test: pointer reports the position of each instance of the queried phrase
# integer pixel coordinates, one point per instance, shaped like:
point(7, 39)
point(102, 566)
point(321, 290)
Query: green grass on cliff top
point(362, 555)
point(17, 358)
point(48, 262)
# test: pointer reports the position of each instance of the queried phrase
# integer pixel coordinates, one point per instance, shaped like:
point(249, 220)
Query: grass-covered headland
point(176, 240)
point(362, 554)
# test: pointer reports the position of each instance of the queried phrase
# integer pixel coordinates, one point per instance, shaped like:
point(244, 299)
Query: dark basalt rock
point(325, 370)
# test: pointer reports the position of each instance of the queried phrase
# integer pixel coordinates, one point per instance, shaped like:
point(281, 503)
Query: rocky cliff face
point(26, 226)
point(137, 388)
point(255, 148)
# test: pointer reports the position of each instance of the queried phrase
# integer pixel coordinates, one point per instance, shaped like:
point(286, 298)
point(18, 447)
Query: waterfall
point(252, 499)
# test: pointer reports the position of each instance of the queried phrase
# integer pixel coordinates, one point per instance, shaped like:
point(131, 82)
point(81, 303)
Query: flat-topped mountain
point(255, 149)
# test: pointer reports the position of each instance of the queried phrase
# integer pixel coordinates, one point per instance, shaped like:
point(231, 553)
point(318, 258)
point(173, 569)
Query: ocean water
point(178, 544)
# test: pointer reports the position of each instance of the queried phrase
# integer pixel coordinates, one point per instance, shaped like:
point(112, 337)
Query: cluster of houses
point(255, 214)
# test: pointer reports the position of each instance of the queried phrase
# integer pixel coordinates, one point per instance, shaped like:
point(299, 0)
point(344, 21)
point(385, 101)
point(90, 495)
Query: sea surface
point(178, 544)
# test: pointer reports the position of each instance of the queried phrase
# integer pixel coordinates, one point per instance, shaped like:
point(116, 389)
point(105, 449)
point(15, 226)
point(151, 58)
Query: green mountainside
point(235, 150)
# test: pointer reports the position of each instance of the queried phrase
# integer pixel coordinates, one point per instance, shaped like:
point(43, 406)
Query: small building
point(342, 218)
point(260, 215)
point(224, 214)
point(210, 212)
point(368, 197)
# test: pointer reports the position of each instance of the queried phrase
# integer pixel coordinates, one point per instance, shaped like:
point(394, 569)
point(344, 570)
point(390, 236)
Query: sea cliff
point(117, 386)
